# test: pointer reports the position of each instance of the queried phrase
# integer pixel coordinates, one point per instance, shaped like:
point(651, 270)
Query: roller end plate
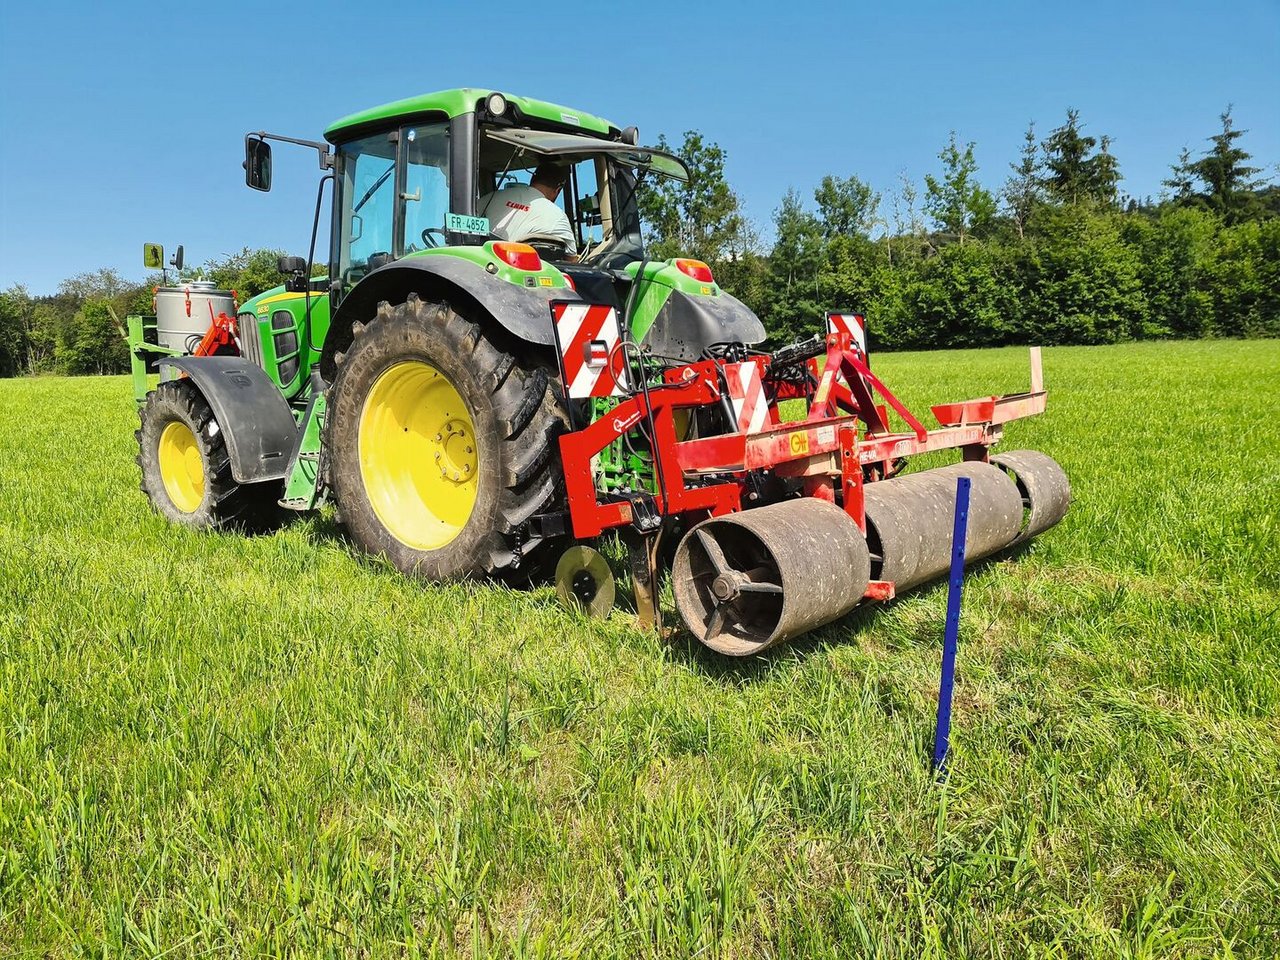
point(746, 581)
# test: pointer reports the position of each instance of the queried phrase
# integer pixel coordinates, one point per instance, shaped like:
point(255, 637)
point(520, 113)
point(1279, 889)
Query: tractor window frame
point(346, 186)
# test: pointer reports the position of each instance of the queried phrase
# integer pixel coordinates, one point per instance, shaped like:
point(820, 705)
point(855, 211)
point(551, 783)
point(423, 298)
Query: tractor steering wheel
point(444, 237)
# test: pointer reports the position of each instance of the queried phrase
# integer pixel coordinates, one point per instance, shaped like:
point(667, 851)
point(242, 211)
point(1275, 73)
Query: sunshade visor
point(574, 146)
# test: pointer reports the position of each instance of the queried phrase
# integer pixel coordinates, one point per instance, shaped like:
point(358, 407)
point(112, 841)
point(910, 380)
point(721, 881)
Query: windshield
point(375, 199)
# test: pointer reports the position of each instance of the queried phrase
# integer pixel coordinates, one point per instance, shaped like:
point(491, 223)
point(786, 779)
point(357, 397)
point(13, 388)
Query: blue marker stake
point(951, 637)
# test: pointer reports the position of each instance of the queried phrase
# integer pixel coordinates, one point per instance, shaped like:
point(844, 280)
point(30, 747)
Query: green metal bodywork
point(485, 259)
point(454, 103)
point(281, 318)
point(661, 278)
point(301, 491)
point(142, 350)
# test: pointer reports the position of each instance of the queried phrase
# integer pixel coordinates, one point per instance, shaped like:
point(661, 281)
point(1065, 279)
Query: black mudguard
point(251, 412)
point(685, 326)
point(524, 312)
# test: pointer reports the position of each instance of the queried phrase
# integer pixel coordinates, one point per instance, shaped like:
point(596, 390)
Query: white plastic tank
point(184, 313)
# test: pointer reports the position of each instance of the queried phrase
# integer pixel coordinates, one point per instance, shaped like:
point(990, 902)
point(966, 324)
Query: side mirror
point(291, 265)
point(176, 262)
point(257, 163)
point(153, 256)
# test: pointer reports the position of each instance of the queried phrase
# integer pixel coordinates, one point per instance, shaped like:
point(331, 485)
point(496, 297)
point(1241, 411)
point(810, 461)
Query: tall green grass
point(268, 746)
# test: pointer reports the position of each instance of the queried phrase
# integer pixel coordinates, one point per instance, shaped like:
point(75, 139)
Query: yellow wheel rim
point(181, 467)
point(418, 455)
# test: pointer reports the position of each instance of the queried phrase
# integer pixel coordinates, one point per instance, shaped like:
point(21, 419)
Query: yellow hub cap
point(418, 455)
point(181, 467)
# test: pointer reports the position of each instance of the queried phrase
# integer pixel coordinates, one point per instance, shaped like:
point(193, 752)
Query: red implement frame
point(709, 475)
point(221, 333)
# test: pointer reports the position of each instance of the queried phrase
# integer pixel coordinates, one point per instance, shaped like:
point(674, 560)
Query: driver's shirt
point(521, 212)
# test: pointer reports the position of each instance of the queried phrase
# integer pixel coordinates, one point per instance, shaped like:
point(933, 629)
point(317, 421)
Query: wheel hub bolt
point(724, 587)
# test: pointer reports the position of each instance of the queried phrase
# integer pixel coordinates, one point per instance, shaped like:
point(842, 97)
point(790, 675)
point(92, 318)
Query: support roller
point(746, 581)
point(910, 520)
point(1043, 486)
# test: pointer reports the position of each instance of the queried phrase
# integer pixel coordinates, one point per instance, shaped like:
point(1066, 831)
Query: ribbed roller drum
point(910, 520)
point(1043, 486)
point(747, 581)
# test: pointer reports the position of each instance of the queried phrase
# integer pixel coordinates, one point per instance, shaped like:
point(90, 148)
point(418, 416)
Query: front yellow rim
point(181, 467)
point(418, 455)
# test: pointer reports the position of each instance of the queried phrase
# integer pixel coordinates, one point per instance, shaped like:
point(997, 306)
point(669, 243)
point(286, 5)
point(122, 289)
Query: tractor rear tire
point(186, 470)
point(441, 446)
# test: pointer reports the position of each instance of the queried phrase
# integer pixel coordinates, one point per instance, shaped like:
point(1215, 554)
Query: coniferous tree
point(1225, 172)
point(1074, 173)
point(1066, 152)
point(1104, 174)
point(1022, 192)
point(1182, 178)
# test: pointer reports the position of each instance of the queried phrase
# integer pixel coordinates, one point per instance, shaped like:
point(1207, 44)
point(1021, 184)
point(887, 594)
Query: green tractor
point(416, 384)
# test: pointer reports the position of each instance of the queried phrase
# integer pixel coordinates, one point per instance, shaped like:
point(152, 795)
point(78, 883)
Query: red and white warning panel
point(854, 324)
point(746, 396)
point(587, 337)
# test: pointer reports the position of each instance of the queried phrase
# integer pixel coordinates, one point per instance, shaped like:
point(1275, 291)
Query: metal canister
point(184, 313)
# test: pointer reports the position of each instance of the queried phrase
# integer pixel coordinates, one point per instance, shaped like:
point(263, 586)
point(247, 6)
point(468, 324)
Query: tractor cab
point(410, 188)
point(420, 194)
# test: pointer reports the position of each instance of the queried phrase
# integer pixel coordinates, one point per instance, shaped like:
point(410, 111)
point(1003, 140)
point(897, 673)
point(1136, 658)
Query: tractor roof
point(462, 100)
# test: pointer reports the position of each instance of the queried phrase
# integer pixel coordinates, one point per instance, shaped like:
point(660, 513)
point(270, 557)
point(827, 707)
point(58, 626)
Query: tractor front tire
point(441, 446)
point(186, 471)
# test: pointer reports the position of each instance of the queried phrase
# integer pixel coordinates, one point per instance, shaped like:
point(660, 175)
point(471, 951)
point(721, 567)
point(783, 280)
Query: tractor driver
point(519, 212)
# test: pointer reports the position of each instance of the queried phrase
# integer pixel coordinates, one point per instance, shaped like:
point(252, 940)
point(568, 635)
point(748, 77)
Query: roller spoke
point(713, 551)
point(757, 586)
point(718, 621)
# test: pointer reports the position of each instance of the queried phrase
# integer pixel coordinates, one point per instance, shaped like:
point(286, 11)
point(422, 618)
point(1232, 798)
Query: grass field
point(211, 744)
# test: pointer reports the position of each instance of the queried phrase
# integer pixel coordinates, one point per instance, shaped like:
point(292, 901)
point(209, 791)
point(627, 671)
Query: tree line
point(1056, 254)
point(73, 331)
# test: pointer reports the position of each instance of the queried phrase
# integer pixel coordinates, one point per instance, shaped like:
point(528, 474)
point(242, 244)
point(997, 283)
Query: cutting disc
point(584, 582)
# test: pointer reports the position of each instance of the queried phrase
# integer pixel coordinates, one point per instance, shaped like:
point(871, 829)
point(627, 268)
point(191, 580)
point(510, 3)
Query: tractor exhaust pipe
point(746, 581)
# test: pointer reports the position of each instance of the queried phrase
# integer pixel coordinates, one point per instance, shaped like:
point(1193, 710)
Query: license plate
point(457, 223)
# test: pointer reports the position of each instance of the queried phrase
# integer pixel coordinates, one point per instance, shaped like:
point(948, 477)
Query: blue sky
point(124, 122)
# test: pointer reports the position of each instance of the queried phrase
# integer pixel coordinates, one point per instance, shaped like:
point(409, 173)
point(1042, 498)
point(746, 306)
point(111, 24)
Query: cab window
point(426, 186)
point(585, 204)
point(376, 196)
point(368, 202)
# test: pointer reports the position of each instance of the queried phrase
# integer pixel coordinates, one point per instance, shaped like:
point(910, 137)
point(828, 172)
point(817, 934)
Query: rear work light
point(696, 269)
point(518, 255)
